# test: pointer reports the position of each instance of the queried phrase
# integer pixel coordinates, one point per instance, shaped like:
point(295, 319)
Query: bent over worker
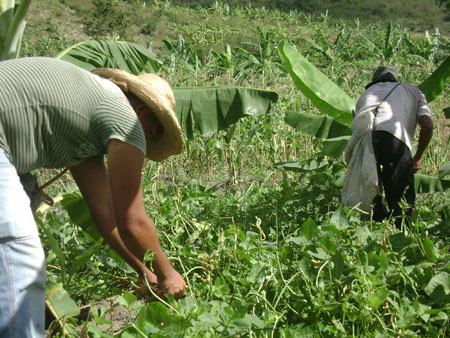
point(391, 111)
point(54, 115)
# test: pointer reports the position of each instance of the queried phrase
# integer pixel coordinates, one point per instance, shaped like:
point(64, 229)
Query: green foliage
point(265, 252)
point(316, 86)
point(107, 19)
point(435, 83)
point(127, 56)
point(212, 109)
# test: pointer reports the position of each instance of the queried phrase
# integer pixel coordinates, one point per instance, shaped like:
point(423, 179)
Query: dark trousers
point(396, 172)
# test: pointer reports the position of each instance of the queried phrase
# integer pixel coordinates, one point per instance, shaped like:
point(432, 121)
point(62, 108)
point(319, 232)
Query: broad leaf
point(336, 135)
point(79, 214)
point(303, 166)
point(128, 56)
point(435, 83)
point(210, 109)
point(444, 170)
point(59, 302)
point(439, 286)
point(323, 93)
point(320, 126)
point(335, 147)
point(424, 184)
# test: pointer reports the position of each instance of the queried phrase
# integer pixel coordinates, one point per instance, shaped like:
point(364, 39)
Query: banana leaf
point(320, 126)
point(59, 303)
point(12, 25)
point(424, 184)
point(444, 170)
point(335, 135)
point(304, 166)
point(210, 109)
point(79, 213)
point(434, 84)
point(131, 57)
point(323, 93)
point(334, 147)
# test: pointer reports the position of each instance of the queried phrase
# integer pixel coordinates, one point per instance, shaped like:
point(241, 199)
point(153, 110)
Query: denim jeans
point(22, 261)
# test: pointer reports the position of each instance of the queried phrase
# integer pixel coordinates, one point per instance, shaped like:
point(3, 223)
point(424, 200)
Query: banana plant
point(12, 25)
point(206, 109)
point(131, 57)
point(333, 126)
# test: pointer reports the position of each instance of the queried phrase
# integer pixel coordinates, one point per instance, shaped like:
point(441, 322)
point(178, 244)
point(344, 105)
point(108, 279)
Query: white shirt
point(399, 113)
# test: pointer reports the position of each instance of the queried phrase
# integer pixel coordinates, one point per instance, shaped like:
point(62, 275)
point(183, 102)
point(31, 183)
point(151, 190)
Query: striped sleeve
point(114, 118)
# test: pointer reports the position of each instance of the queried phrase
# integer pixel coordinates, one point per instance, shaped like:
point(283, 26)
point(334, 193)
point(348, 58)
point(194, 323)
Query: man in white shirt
point(398, 114)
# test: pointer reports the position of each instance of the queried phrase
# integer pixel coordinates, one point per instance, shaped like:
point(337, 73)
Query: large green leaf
point(323, 93)
point(320, 126)
point(131, 57)
point(79, 214)
point(444, 170)
point(210, 109)
point(435, 83)
point(335, 135)
point(59, 302)
point(424, 184)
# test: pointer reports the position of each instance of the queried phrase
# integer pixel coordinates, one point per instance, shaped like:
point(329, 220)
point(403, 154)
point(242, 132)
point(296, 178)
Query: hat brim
point(170, 141)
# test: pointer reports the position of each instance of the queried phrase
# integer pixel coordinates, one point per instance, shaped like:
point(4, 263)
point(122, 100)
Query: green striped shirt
point(54, 114)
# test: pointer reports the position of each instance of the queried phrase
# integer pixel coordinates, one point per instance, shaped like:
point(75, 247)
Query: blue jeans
point(22, 261)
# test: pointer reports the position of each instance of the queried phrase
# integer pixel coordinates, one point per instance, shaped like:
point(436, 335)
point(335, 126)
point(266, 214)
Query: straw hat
point(158, 96)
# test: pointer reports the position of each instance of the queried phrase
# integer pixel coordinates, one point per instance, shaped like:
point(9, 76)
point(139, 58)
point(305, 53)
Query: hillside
point(409, 13)
point(55, 24)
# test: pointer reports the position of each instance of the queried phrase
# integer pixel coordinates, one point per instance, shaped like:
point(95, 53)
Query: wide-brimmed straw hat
point(157, 94)
point(384, 74)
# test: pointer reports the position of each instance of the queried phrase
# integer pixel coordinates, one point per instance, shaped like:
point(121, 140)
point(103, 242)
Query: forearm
point(425, 134)
point(141, 237)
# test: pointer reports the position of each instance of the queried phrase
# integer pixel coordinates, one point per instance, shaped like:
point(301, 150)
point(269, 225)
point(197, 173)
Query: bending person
point(54, 115)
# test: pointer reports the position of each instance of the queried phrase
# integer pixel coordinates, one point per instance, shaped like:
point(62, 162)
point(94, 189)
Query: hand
point(173, 284)
point(417, 164)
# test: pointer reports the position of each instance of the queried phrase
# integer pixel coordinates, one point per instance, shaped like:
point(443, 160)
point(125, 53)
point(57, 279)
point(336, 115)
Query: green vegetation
point(266, 251)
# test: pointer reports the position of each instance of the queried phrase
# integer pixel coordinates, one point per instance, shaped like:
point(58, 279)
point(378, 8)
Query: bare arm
point(425, 134)
point(92, 179)
point(116, 204)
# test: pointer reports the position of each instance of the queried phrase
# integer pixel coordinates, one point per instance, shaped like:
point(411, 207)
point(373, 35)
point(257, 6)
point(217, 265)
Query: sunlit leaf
point(430, 250)
point(131, 57)
point(435, 83)
point(59, 302)
point(316, 86)
point(210, 109)
point(12, 25)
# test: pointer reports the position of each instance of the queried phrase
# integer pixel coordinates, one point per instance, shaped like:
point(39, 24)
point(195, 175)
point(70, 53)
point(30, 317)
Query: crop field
point(250, 212)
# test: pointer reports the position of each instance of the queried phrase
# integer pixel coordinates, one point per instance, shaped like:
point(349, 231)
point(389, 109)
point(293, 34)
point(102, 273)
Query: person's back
point(56, 113)
point(398, 114)
point(397, 109)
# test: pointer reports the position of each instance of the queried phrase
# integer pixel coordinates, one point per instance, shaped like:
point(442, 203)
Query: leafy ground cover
point(266, 252)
